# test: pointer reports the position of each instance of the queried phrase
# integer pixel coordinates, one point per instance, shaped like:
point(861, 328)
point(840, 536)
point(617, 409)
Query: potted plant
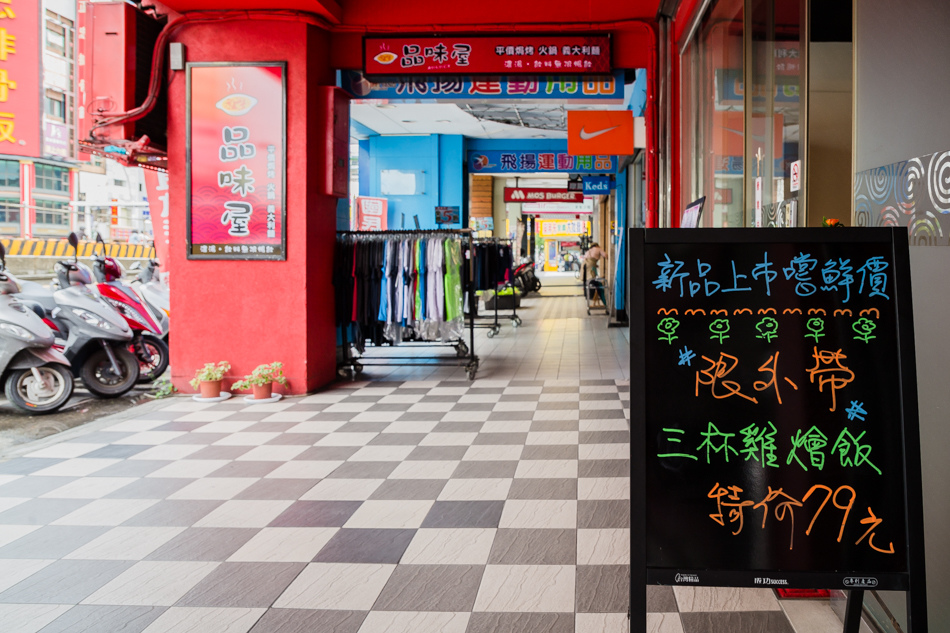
point(207, 380)
point(261, 380)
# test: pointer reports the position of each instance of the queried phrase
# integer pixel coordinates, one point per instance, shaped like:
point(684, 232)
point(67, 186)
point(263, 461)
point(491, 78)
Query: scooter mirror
point(99, 239)
point(3, 257)
point(74, 242)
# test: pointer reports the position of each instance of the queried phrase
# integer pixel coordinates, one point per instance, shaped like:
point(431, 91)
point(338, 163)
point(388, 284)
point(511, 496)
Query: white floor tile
point(272, 453)
point(339, 586)
point(547, 469)
point(126, 543)
point(30, 618)
point(106, 512)
point(475, 490)
point(342, 490)
point(389, 514)
point(188, 469)
point(243, 514)
point(65, 450)
point(214, 488)
point(603, 488)
point(89, 488)
point(303, 469)
point(719, 599)
point(552, 514)
point(284, 545)
point(157, 583)
point(78, 467)
point(453, 546)
point(602, 622)
point(10, 533)
point(603, 547)
point(491, 453)
point(414, 622)
point(537, 588)
point(424, 470)
point(205, 620)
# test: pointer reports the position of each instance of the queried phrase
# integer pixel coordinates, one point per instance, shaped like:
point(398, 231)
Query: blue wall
point(439, 159)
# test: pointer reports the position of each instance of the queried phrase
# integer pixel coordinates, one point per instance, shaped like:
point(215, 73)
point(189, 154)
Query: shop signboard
point(56, 139)
point(156, 188)
point(20, 88)
point(483, 224)
point(388, 55)
point(371, 214)
point(499, 161)
point(560, 228)
point(447, 215)
point(600, 132)
point(236, 160)
point(774, 375)
point(570, 88)
point(526, 194)
point(598, 185)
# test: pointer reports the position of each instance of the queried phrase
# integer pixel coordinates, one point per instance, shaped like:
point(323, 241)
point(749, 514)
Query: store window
point(52, 212)
point(55, 38)
point(9, 211)
point(10, 174)
point(50, 178)
point(713, 124)
point(55, 105)
point(739, 146)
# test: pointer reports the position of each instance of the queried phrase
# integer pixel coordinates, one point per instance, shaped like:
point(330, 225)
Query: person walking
point(592, 259)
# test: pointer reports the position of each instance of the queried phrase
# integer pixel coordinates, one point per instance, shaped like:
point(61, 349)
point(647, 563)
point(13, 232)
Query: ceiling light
point(443, 120)
point(404, 121)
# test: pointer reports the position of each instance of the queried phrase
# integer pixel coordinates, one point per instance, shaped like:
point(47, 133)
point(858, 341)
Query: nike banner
point(600, 132)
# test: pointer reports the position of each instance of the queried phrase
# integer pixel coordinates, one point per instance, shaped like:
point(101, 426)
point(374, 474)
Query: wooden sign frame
point(894, 242)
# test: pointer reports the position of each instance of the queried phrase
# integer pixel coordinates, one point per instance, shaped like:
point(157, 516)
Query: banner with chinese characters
point(156, 188)
point(777, 388)
point(236, 161)
point(498, 161)
point(572, 88)
point(371, 214)
point(486, 54)
point(562, 228)
point(20, 86)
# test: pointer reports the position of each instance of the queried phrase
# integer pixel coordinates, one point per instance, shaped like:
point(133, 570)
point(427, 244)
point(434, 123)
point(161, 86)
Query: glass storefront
point(739, 147)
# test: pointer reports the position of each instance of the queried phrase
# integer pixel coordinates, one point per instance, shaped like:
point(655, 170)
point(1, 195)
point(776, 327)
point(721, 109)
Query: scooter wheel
point(29, 394)
point(157, 350)
point(99, 377)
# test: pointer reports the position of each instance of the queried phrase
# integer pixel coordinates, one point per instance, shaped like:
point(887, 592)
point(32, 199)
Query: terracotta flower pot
point(210, 388)
point(263, 392)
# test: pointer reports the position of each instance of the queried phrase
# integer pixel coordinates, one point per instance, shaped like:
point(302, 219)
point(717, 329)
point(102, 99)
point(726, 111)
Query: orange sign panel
point(593, 132)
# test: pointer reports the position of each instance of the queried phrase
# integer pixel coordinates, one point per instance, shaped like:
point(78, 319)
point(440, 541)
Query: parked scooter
point(35, 374)
point(525, 279)
point(147, 343)
point(154, 292)
point(94, 337)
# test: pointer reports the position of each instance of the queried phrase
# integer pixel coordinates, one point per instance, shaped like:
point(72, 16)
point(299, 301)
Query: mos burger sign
point(521, 194)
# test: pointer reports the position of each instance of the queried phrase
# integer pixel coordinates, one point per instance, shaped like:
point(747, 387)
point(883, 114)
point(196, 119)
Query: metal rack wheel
point(471, 369)
point(461, 349)
point(491, 333)
point(357, 368)
point(515, 321)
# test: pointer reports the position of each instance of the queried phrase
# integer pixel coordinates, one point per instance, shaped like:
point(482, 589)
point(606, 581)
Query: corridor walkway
point(411, 501)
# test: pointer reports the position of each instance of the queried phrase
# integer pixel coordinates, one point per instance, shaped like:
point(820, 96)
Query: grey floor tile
point(603, 514)
point(204, 544)
point(32, 486)
point(316, 514)
point(204, 439)
point(409, 489)
point(365, 546)
point(327, 453)
point(473, 406)
point(40, 511)
point(510, 416)
point(534, 451)
point(364, 427)
point(526, 383)
point(363, 470)
point(600, 396)
point(422, 416)
point(26, 465)
point(335, 416)
point(437, 454)
point(116, 451)
point(603, 437)
point(521, 623)
point(91, 619)
point(173, 512)
point(246, 585)
point(397, 439)
point(364, 399)
point(277, 489)
point(661, 600)
point(520, 397)
point(500, 439)
point(297, 439)
point(270, 427)
point(557, 405)
point(440, 399)
point(603, 468)
point(458, 427)
point(543, 489)
point(64, 582)
point(485, 470)
point(246, 469)
point(564, 389)
point(393, 407)
point(447, 588)
point(598, 382)
point(131, 468)
point(554, 425)
point(180, 426)
point(604, 589)
point(220, 452)
point(461, 514)
point(534, 547)
point(149, 488)
point(51, 541)
point(765, 621)
point(602, 414)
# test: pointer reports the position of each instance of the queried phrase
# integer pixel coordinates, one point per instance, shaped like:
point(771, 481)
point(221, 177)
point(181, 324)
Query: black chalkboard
point(774, 412)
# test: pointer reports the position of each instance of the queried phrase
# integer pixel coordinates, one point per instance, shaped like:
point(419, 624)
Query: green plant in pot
point(261, 380)
point(207, 380)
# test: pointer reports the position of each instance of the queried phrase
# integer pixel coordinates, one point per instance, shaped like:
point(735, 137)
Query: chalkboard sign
point(774, 414)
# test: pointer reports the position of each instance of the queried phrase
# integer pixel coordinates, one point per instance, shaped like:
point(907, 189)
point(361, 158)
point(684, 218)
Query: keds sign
point(597, 186)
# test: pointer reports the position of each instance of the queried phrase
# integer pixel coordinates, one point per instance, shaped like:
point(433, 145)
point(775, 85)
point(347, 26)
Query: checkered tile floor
point(422, 506)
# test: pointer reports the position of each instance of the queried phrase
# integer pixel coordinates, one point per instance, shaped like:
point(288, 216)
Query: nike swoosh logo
point(586, 136)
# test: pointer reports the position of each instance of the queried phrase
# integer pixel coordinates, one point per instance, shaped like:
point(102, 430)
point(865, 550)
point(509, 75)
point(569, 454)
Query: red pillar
point(256, 312)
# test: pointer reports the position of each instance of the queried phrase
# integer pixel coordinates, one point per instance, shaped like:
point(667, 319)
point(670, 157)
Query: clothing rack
point(463, 352)
point(495, 326)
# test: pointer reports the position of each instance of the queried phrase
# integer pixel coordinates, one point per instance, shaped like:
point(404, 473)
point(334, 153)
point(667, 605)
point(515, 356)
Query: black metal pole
point(852, 613)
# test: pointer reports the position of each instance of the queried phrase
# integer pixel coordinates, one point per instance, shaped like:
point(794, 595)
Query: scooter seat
point(35, 306)
point(32, 291)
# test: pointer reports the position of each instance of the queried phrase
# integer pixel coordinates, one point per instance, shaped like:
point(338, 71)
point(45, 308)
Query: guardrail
point(20, 247)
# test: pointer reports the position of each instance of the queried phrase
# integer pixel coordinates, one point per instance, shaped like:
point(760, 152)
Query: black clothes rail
point(488, 276)
point(403, 288)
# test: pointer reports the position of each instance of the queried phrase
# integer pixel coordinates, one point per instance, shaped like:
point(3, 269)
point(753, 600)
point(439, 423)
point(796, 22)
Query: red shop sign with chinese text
point(522, 194)
point(236, 161)
point(476, 54)
point(20, 78)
